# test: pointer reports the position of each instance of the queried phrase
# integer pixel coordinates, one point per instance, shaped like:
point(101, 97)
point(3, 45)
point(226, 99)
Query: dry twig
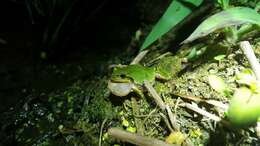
point(135, 138)
point(155, 95)
point(203, 112)
point(139, 57)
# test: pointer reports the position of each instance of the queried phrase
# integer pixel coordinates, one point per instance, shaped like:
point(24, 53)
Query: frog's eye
point(123, 76)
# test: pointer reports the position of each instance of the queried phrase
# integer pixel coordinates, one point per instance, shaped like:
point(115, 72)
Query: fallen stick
point(199, 99)
point(203, 112)
point(172, 119)
point(135, 138)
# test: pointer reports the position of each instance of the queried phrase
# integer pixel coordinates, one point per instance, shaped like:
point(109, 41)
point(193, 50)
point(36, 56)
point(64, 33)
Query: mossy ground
point(74, 115)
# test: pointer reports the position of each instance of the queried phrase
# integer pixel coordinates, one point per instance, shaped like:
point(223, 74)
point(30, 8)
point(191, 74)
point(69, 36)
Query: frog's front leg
point(161, 77)
point(138, 91)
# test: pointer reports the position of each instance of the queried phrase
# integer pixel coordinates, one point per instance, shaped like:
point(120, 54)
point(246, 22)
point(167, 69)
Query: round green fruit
point(244, 108)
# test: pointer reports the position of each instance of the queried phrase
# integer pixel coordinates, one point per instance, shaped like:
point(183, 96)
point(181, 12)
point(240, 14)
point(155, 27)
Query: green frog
point(127, 79)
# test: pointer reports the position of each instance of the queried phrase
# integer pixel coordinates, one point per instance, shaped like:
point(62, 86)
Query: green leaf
point(174, 14)
point(229, 17)
point(219, 57)
point(224, 4)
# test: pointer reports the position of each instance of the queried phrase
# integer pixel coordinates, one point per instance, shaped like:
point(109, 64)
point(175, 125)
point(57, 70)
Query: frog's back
point(138, 73)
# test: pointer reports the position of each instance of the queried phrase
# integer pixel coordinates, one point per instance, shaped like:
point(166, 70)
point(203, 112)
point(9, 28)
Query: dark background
point(92, 31)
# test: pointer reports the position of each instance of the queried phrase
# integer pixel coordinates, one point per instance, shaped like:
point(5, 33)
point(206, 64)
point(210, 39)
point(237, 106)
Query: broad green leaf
point(229, 17)
point(174, 14)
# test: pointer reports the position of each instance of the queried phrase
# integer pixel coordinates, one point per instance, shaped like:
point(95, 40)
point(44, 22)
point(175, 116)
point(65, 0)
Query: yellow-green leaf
point(230, 17)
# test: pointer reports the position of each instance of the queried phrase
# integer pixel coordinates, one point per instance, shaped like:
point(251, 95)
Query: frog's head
point(120, 75)
point(125, 79)
point(132, 73)
point(120, 83)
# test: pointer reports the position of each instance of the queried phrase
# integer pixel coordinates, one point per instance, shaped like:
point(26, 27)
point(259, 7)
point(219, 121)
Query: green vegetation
point(230, 17)
point(244, 108)
point(208, 93)
point(175, 13)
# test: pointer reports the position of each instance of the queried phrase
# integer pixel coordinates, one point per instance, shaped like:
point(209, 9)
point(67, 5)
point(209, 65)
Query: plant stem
point(257, 129)
point(101, 132)
point(248, 51)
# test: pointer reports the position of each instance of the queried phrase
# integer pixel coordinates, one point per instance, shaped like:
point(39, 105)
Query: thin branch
point(139, 57)
point(172, 119)
point(149, 115)
point(101, 132)
point(250, 55)
point(218, 104)
point(155, 95)
point(157, 58)
point(165, 119)
point(203, 112)
point(135, 138)
point(200, 99)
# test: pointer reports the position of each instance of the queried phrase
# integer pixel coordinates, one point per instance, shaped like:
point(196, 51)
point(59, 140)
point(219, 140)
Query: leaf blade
point(174, 14)
point(229, 17)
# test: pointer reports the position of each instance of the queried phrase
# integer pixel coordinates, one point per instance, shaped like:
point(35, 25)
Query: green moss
point(100, 109)
point(168, 67)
